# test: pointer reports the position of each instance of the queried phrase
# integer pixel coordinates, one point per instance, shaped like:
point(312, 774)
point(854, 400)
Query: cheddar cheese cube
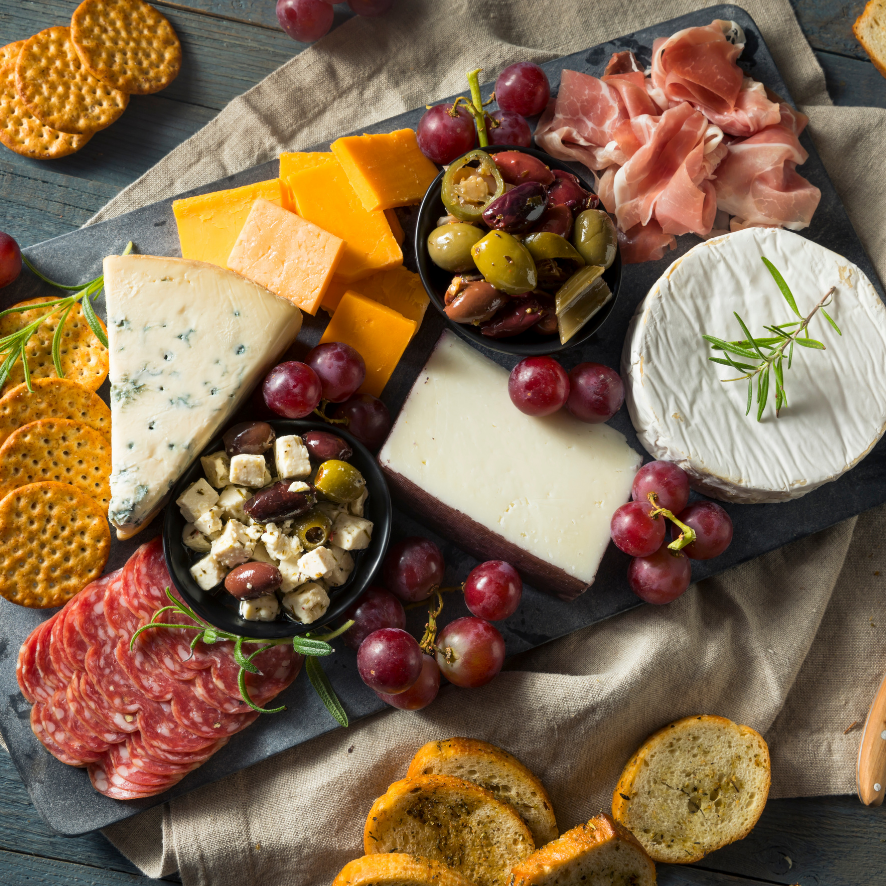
point(286, 254)
point(325, 197)
point(396, 227)
point(387, 169)
point(209, 224)
point(379, 334)
point(296, 161)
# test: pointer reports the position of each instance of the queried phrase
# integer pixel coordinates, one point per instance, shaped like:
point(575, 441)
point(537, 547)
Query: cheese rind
point(538, 492)
point(187, 343)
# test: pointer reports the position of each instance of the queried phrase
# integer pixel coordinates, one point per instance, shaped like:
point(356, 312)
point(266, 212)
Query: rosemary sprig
point(770, 349)
point(13, 347)
point(309, 646)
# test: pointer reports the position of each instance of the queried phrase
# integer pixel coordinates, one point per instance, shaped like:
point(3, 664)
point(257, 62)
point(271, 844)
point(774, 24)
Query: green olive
point(582, 296)
point(312, 529)
point(450, 247)
point(338, 481)
point(595, 238)
point(551, 246)
point(505, 263)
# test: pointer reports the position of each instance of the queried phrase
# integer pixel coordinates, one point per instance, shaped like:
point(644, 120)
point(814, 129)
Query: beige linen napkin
point(792, 643)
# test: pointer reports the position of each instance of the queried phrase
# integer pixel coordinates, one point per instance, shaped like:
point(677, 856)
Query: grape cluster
point(468, 652)
point(309, 20)
point(661, 570)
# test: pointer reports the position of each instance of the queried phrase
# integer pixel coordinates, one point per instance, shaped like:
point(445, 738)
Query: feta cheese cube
point(232, 500)
point(291, 573)
point(249, 470)
point(330, 509)
point(196, 500)
point(357, 506)
point(210, 523)
point(217, 468)
point(194, 538)
point(299, 486)
point(260, 608)
point(291, 457)
point(317, 564)
point(278, 544)
point(352, 533)
point(344, 566)
point(233, 546)
point(261, 555)
point(308, 603)
point(208, 572)
point(254, 531)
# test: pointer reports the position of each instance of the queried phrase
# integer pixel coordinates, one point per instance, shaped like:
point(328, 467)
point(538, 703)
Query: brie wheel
point(684, 413)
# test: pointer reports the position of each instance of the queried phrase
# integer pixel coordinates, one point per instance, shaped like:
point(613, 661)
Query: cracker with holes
point(54, 540)
point(9, 53)
point(126, 44)
point(83, 358)
point(60, 450)
point(53, 398)
point(23, 133)
point(57, 89)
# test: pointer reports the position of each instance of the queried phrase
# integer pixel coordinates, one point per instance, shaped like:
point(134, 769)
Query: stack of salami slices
point(140, 719)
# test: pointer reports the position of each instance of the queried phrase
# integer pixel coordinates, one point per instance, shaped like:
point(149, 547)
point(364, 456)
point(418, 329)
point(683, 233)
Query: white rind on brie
point(187, 342)
point(684, 413)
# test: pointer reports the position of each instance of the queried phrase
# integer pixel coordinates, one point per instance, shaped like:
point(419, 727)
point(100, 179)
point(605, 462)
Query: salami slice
point(147, 592)
point(63, 714)
point(146, 675)
point(148, 751)
point(85, 714)
point(75, 644)
point(123, 764)
point(71, 746)
point(29, 680)
point(162, 731)
point(49, 679)
point(98, 705)
point(201, 719)
point(112, 785)
point(112, 681)
point(57, 653)
point(91, 621)
point(206, 690)
point(141, 757)
point(46, 739)
point(119, 616)
point(278, 665)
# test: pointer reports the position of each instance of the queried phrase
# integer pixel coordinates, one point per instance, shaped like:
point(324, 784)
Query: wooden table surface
point(229, 45)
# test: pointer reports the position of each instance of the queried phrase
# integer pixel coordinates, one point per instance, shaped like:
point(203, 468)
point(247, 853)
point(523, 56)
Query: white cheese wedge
point(187, 343)
point(537, 492)
point(684, 413)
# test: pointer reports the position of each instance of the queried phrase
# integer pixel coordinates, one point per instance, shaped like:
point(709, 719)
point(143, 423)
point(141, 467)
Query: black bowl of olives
point(516, 251)
point(219, 606)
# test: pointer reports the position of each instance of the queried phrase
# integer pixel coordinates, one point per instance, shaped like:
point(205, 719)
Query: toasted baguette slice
point(497, 771)
point(451, 821)
point(396, 869)
point(693, 787)
point(870, 31)
point(599, 853)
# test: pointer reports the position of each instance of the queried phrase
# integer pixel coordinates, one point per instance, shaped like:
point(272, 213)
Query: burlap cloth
point(792, 644)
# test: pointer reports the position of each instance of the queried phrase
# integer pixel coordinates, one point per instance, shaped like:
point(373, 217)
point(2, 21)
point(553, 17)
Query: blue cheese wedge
point(187, 343)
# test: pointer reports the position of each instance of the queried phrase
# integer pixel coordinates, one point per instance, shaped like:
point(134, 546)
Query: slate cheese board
point(64, 796)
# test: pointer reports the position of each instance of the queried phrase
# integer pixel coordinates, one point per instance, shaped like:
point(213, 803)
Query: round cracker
point(53, 398)
point(54, 540)
point(83, 357)
point(23, 133)
point(126, 44)
point(59, 450)
point(9, 53)
point(56, 88)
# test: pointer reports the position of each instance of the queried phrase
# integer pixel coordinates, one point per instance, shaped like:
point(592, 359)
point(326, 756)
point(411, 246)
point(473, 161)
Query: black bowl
point(436, 281)
point(218, 607)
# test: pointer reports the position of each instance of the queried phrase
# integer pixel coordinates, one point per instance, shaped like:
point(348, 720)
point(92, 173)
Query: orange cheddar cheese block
point(396, 227)
point(209, 224)
point(387, 169)
point(379, 334)
point(296, 161)
point(286, 254)
point(325, 197)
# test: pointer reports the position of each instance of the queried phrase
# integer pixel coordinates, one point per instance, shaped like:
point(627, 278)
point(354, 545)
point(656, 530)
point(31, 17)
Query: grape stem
point(474, 107)
point(687, 533)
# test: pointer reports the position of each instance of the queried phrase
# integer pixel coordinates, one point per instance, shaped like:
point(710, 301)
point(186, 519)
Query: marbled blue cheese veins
point(187, 343)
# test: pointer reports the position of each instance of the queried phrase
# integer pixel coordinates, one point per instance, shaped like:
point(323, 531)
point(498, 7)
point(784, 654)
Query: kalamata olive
point(249, 438)
point(277, 503)
point(517, 168)
point(595, 237)
point(322, 445)
point(554, 220)
point(475, 303)
point(339, 482)
point(515, 317)
point(547, 325)
point(517, 210)
point(459, 283)
point(505, 263)
point(251, 580)
point(449, 246)
point(567, 191)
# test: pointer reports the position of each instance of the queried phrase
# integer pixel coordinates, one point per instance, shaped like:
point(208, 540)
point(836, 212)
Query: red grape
point(370, 7)
point(596, 392)
point(661, 577)
point(713, 530)
point(634, 531)
point(669, 481)
point(523, 88)
point(493, 590)
point(292, 389)
point(10, 260)
point(513, 130)
point(422, 692)
point(413, 568)
point(389, 660)
point(442, 137)
point(305, 20)
point(376, 609)
point(476, 651)
point(339, 367)
point(538, 385)
point(368, 419)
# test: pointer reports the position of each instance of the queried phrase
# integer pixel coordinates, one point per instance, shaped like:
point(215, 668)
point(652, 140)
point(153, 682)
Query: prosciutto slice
point(644, 243)
point(758, 180)
point(753, 111)
point(624, 74)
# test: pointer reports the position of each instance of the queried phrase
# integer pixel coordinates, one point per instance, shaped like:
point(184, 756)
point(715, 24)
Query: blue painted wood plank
point(853, 82)
point(19, 869)
point(827, 25)
point(262, 13)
